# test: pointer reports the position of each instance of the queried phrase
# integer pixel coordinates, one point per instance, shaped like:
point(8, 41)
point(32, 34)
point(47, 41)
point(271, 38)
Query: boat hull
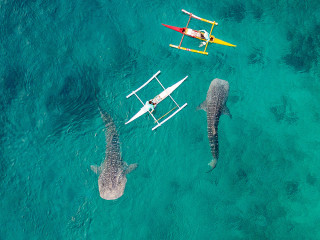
point(157, 99)
point(218, 41)
point(197, 34)
point(180, 30)
point(142, 111)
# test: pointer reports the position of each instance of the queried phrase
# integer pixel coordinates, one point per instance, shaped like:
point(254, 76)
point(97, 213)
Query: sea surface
point(54, 56)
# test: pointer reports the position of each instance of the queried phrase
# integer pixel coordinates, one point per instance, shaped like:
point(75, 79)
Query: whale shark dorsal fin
point(203, 106)
point(226, 111)
point(96, 169)
point(130, 168)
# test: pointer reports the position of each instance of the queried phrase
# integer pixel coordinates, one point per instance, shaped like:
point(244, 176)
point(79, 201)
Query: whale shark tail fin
point(203, 106)
point(212, 164)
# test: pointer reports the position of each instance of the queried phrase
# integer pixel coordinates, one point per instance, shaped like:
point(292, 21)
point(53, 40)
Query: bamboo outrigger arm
point(188, 49)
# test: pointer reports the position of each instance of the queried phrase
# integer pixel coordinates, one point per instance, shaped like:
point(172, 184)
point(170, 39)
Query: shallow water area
point(56, 55)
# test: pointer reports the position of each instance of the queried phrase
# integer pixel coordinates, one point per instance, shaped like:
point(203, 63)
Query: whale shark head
point(111, 190)
point(220, 84)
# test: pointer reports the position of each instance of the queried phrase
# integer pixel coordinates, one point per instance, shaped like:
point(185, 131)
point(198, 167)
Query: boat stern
point(178, 29)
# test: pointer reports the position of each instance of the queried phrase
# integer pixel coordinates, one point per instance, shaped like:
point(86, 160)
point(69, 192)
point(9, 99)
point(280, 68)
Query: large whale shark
point(215, 105)
point(112, 179)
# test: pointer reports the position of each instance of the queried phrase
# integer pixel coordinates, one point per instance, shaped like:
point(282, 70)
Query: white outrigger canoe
point(156, 100)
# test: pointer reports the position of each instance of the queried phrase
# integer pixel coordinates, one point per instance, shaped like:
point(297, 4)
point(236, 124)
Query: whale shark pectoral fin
point(203, 106)
point(226, 111)
point(96, 169)
point(130, 168)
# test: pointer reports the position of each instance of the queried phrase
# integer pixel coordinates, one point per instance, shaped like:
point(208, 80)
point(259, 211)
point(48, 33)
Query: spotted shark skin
point(215, 106)
point(112, 179)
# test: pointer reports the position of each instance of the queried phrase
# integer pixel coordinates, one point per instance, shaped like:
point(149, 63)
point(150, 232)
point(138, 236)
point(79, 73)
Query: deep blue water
point(54, 55)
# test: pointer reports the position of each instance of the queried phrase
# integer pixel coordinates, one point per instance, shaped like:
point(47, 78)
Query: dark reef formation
point(283, 111)
point(304, 49)
point(256, 57)
point(235, 11)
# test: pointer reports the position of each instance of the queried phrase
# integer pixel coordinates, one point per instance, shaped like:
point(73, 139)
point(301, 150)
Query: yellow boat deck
point(197, 34)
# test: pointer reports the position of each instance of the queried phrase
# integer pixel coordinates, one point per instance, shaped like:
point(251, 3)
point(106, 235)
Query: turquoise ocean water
point(54, 54)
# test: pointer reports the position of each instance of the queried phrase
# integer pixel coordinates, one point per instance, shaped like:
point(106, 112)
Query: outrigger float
point(156, 100)
point(197, 34)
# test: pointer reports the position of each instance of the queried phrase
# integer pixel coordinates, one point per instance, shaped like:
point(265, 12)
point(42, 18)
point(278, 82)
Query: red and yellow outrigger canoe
point(197, 34)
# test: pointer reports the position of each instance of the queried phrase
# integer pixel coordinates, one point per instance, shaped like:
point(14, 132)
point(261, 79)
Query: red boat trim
point(180, 30)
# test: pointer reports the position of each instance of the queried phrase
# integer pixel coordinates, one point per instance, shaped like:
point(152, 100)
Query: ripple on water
point(74, 101)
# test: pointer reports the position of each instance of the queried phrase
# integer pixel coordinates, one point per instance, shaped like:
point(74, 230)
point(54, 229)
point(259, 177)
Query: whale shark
point(215, 105)
point(112, 172)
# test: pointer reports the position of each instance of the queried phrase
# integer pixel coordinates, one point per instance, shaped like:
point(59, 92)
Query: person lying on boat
point(151, 105)
point(204, 35)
